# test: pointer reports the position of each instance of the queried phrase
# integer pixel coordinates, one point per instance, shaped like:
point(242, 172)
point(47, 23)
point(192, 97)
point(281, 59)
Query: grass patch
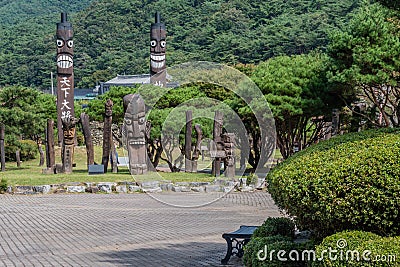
point(31, 174)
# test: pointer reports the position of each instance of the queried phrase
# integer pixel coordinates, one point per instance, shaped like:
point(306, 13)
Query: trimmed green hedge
point(274, 235)
point(269, 255)
point(348, 182)
point(358, 248)
point(273, 226)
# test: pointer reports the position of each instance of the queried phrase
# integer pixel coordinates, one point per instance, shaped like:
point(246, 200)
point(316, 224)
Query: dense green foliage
point(355, 246)
point(272, 243)
point(27, 44)
point(297, 89)
point(27, 149)
point(276, 226)
point(274, 235)
point(365, 61)
point(12, 12)
point(112, 37)
point(116, 94)
point(348, 182)
point(24, 112)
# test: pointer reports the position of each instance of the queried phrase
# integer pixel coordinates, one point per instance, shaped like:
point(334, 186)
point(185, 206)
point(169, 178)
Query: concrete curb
point(134, 187)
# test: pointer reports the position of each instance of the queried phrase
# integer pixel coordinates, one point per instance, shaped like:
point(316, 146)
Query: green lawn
point(31, 174)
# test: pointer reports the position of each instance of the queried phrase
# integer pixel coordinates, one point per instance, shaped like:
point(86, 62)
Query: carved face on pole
point(135, 131)
point(157, 46)
point(65, 46)
point(68, 125)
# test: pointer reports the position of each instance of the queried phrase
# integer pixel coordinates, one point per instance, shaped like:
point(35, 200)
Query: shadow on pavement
point(191, 254)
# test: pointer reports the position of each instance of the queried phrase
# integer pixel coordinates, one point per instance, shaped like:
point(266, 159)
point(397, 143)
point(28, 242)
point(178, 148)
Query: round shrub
point(357, 248)
point(348, 182)
point(270, 247)
point(276, 226)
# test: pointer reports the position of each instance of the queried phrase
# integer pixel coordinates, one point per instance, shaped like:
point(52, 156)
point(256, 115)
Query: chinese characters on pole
point(65, 89)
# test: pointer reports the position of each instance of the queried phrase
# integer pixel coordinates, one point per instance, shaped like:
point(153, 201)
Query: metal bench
point(240, 237)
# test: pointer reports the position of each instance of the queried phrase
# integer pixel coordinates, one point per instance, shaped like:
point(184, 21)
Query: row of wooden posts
point(109, 150)
point(51, 166)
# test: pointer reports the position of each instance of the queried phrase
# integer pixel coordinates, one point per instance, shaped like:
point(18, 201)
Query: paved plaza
point(125, 229)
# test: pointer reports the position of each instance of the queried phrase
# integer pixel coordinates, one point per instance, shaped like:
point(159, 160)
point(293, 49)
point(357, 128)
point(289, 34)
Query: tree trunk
point(188, 142)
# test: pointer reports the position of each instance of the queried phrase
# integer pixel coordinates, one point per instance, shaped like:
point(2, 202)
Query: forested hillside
point(111, 37)
point(15, 11)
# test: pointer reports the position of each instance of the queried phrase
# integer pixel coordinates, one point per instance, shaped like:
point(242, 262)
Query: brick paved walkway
point(123, 229)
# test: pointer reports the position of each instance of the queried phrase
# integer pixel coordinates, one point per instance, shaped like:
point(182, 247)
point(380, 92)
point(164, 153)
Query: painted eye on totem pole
point(60, 43)
point(141, 120)
point(163, 43)
point(70, 43)
point(153, 43)
point(128, 121)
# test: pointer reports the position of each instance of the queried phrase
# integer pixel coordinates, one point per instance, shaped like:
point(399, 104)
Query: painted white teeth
point(64, 61)
point(157, 65)
point(137, 143)
point(157, 58)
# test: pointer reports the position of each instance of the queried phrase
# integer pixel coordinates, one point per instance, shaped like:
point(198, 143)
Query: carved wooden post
point(68, 144)
point(158, 36)
point(2, 151)
point(229, 161)
point(50, 154)
point(18, 158)
point(88, 138)
point(65, 73)
point(217, 132)
point(188, 142)
point(107, 135)
point(41, 153)
point(114, 163)
point(134, 129)
point(197, 148)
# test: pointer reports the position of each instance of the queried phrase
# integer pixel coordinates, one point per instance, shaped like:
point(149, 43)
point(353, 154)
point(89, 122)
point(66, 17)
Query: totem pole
point(218, 150)
point(88, 138)
point(68, 125)
point(107, 134)
point(65, 89)
point(158, 73)
point(134, 129)
point(229, 160)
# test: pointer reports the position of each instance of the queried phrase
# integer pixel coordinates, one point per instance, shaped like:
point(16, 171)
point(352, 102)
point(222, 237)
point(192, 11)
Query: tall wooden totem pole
point(65, 91)
point(135, 131)
point(158, 35)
